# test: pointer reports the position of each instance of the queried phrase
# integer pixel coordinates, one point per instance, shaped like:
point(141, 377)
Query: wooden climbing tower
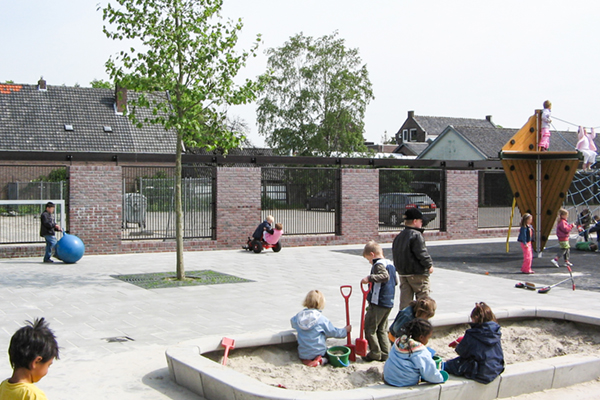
point(539, 179)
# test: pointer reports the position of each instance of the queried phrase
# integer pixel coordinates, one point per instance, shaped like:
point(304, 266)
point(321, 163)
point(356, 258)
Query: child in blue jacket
point(480, 351)
point(423, 308)
point(313, 330)
point(410, 361)
point(381, 301)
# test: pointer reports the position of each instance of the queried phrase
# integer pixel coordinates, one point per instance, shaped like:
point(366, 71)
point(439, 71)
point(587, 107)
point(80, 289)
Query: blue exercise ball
point(70, 249)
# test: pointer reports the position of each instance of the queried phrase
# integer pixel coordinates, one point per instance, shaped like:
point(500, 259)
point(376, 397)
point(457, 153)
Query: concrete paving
point(88, 308)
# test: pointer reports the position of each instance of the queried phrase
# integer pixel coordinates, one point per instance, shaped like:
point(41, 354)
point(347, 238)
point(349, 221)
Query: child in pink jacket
point(273, 238)
point(563, 229)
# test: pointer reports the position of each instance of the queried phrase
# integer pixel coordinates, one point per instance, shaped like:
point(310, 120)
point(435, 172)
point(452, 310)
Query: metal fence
point(495, 201)
point(20, 219)
point(149, 202)
point(402, 188)
point(304, 200)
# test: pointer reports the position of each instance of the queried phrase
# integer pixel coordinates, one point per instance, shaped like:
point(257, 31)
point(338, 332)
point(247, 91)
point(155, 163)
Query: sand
point(522, 341)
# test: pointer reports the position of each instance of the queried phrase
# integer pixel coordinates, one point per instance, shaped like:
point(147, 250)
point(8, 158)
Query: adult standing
point(411, 259)
point(48, 228)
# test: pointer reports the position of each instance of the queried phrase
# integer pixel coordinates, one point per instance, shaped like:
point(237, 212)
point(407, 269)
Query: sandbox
point(189, 368)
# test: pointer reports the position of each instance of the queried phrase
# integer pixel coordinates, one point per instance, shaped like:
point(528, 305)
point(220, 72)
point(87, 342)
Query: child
point(47, 230)
point(596, 228)
point(313, 329)
point(480, 355)
point(272, 237)
point(381, 300)
point(526, 236)
point(412, 261)
point(423, 308)
point(546, 121)
point(259, 231)
point(410, 361)
point(563, 228)
point(32, 350)
point(262, 227)
point(587, 147)
point(584, 220)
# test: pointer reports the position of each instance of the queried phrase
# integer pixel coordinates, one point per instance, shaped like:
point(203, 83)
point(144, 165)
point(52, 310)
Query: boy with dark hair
point(32, 350)
point(47, 230)
point(411, 258)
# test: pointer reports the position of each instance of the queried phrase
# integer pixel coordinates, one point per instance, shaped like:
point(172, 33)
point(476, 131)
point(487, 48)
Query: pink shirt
point(273, 238)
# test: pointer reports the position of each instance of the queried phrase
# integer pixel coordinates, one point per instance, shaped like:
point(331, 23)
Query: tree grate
point(158, 280)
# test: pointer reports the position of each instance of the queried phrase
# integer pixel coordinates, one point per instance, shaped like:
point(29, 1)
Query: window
point(405, 135)
point(413, 135)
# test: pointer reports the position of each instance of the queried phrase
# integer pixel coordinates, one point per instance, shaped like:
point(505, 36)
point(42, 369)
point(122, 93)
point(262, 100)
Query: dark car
point(325, 199)
point(392, 207)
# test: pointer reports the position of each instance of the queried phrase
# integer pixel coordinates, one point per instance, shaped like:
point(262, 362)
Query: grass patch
point(158, 280)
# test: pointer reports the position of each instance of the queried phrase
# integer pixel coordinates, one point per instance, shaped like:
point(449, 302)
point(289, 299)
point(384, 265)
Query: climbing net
point(584, 192)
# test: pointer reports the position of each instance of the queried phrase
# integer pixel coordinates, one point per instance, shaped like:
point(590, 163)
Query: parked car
point(393, 205)
point(324, 199)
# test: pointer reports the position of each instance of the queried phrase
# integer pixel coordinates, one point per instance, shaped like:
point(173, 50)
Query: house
point(411, 148)
point(59, 119)
point(485, 143)
point(424, 130)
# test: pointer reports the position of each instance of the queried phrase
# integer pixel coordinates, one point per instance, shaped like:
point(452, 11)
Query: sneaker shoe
point(555, 263)
point(48, 261)
point(567, 263)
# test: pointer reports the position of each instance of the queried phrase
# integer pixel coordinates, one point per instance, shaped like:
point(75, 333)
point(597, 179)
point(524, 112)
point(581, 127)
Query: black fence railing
point(304, 200)
point(402, 188)
point(149, 202)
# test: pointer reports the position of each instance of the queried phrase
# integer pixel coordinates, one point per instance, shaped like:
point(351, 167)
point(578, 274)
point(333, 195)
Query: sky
point(460, 58)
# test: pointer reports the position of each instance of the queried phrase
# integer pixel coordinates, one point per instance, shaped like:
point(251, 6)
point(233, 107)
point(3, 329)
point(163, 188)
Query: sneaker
point(48, 261)
point(555, 263)
point(567, 263)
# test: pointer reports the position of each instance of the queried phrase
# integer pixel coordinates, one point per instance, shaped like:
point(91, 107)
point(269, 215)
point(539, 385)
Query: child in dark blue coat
point(480, 351)
point(423, 308)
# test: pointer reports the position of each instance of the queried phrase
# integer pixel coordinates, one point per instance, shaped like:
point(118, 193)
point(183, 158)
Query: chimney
point(42, 84)
point(489, 118)
point(120, 99)
point(411, 114)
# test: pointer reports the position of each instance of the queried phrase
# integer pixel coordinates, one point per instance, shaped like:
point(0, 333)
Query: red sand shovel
point(228, 344)
point(347, 298)
point(361, 343)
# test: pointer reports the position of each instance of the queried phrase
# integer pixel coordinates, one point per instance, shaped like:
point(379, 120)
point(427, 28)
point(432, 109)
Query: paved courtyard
point(114, 334)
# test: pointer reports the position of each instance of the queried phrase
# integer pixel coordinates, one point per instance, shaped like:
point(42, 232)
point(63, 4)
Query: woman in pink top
point(587, 146)
point(273, 238)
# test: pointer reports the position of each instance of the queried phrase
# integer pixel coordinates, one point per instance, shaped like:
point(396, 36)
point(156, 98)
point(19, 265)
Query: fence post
point(95, 207)
point(360, 204)
point(461, 204)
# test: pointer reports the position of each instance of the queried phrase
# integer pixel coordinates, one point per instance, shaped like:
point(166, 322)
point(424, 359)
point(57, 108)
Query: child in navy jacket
point(480, 350)
point(381, 301)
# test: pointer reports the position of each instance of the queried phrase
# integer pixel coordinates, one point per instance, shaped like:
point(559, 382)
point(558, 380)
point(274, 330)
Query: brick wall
point(238, 205)
point(96, 203)
point(360, 204)
point(461, 204)
point(95, 207)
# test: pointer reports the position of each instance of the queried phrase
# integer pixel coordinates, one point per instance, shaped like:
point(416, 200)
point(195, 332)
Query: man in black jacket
point(47, 230)
point(411, 259)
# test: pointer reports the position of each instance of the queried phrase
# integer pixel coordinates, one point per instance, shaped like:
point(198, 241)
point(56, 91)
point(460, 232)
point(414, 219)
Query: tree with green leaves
point(100, 84)
point(315, 97)
point(184, 72)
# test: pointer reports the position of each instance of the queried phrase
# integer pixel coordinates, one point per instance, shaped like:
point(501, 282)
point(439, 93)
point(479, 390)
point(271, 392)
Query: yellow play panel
point(539, 180)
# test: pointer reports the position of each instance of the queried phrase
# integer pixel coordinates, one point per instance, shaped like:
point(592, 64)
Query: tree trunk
point(179, 211)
